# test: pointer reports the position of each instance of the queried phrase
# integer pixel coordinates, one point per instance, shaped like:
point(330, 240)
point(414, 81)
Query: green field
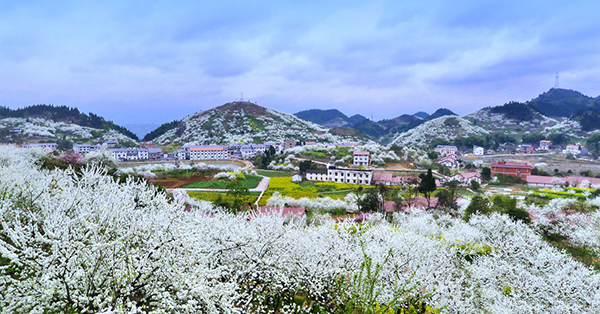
point(274, 174)
point(250, 182)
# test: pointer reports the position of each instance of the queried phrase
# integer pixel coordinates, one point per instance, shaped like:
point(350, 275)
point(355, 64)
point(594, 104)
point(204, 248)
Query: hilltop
point(59, 123)
point(330, 118)
point(241, 122)
point(445, 127)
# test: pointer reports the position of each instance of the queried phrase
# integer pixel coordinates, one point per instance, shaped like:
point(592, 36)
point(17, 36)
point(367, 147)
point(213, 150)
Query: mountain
point(559, 102)
point(421, 114)
point(141, 129)
point(54, 123)
point(241, 122)
point(401, 123)
point(329, 118)
point(446, 127)
point(320, 116)
point(371, 128)
point(440, 113)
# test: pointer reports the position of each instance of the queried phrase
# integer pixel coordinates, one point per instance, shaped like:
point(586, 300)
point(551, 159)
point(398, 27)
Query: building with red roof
point(515, 169)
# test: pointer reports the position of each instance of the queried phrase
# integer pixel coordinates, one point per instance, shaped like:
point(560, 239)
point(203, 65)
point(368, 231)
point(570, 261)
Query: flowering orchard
point(80, 242)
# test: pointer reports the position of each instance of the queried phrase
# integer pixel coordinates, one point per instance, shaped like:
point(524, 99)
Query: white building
point(465, 178)
point(211, 152)
point(573, 150)
point(49, 147)
point(361, 159)
point(15, 130)
point(129, 154)
point(445, 149)
point(85, 148)
point(478, 150)
point(353, 176)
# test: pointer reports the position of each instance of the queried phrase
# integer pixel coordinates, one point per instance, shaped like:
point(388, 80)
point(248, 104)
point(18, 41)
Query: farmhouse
point(445, 150)
point(465, 178)
point(86, 148)
point(478, 150)
point(527, 149)
point(545, 144)
point(128, 154)
point(361, 159)
point(49, 147)
point(515, 169)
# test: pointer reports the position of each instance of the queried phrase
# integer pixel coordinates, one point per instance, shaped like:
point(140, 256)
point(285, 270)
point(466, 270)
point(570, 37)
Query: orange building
point(515, 169)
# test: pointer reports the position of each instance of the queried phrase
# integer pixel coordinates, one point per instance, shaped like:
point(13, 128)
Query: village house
point(465, 178)
point(361, 159)
point(445, 150)
point(387, 178)
point(86, 148)
point(449, 161)
point(155, 153)
point(289, 144)
point(575, 150)
point(545, 144)
point(316, 175)
point(527, 149)
point(478, 150)
point(49, 147)
point(544, 181)
point(515, 169)
point(15, 130)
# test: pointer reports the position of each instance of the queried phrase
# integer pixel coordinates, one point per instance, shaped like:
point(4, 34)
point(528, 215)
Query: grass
point(582, 254)
point(213, 196)
point(274, 174)
point(250, 182)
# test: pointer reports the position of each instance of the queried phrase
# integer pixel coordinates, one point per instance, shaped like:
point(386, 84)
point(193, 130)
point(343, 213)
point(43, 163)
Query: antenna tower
point(556, 81)
point(242, 97)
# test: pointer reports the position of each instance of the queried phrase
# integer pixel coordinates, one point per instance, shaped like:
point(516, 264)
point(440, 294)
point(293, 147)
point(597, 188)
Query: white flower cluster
point(39, 127)
point(323, 204)
point(438, 128)
point(85, 243)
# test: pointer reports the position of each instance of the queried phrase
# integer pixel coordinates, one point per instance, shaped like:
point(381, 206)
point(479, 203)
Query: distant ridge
point(329, 118)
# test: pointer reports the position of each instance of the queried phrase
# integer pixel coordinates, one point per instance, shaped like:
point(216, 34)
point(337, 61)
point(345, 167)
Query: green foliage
point(561, 102)
point(533, 138)
point(248, 182)
point(506, 180)
point(486, 173)
point(478, 205)
point(370, 202)
point(359, 293)
point(514, 110)
point(427, 185)
point(475, 186)
point(65, 114)
point(161, 129)
point(451, 123)
point(306, 165)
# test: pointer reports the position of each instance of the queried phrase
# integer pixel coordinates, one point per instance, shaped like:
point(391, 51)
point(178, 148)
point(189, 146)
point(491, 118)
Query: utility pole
point(556, 81)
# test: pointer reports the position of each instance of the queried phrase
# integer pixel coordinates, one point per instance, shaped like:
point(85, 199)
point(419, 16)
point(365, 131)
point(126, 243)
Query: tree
point(306, 165)
point(475, 185)
point(486, 173)
point(427, 185)
point(478, 205)
point(239, 194)
point(370, 202)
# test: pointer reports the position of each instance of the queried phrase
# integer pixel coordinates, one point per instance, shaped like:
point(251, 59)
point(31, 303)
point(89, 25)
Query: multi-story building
point(289, 144)
point(575, 150)
point(515, 169)
point(211, 152)
point(545, 144)
point(86, 148)
point(445, 149)
point(49, 147)
point(340, 175)
point(361, 159)
point(129, 154)
point(155, 153)
point(478, 150)
point(527, 149)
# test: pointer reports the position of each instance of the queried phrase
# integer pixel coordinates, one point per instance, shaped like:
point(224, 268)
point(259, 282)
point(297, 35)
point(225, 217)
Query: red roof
point(541, 179)
point(468, 175)
point(521, 165)
point(362, 153)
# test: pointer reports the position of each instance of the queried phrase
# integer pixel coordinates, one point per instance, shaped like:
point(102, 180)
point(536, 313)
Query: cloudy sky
point(153, 62)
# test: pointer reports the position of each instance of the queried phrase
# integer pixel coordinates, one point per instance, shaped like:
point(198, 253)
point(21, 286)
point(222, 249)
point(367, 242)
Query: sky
point(151, 62)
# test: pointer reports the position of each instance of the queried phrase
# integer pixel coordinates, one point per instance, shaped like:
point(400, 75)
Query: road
point(262, 186)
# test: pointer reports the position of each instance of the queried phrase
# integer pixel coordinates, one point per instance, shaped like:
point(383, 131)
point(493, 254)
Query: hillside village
point(245, 164)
